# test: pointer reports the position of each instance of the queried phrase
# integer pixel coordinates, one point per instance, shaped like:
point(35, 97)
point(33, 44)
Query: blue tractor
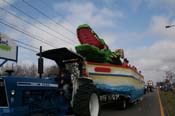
point(50, 96)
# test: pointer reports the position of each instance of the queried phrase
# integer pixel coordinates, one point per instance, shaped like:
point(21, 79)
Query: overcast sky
point(137, 26)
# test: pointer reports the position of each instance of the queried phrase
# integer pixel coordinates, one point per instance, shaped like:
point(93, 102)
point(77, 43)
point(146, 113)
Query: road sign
point(8, 48)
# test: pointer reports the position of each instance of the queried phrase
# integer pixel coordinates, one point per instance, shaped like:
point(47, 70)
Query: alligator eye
point(92, 31)
point(95, 36)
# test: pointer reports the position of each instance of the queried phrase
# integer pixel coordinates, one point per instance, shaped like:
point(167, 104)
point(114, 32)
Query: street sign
point(8, 48)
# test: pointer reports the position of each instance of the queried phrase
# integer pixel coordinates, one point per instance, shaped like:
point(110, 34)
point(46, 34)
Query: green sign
point(5, 47)
point(8, 48)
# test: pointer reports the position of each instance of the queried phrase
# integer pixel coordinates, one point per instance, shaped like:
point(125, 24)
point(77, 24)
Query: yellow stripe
point(161, 107)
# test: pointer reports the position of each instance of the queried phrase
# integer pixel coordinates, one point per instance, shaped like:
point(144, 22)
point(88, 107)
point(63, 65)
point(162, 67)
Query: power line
point(45, 4)
point(62, 16)
point(47, 16)
point(12, 27)
point(33, 18)
point(32, 36)
point(24, 43)
point(32, 25)
point(28, 48)
point(38, 10)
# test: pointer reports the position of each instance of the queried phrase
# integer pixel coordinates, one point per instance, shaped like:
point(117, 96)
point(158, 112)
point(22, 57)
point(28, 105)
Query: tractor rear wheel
point(86, 101)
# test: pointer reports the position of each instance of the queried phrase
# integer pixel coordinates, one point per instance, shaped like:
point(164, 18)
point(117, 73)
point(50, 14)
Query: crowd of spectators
point(127, 65)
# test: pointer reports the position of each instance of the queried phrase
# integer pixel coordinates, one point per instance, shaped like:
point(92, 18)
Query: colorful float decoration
point(109, 70)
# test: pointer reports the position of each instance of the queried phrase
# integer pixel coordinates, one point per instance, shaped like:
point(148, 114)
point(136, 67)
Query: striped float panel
point(116, 79)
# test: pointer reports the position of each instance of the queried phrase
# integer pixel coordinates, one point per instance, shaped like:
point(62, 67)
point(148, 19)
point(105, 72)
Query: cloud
point(136, 5)
point(89, 13)
point(154, 6)
point(4, 4)
point(169, 3)
point(58, 38)
point(13, 21)
point(157, 27)
point(156, 59)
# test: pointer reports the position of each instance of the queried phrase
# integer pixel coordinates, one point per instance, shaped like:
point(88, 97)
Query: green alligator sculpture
point(93, 48)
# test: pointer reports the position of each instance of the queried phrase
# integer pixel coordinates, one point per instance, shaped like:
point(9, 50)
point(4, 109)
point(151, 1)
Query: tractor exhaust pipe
point(40, 63)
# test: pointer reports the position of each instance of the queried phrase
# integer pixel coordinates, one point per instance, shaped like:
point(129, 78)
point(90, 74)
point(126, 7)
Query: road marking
point(161, 107)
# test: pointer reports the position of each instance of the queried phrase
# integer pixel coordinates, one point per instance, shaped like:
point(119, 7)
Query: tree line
point(25, 70)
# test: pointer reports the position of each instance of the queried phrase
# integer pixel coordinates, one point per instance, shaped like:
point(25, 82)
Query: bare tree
point(51, 71)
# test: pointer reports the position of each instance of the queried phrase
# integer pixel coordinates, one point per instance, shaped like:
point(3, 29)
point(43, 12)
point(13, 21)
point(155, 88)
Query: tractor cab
point(80, 87)
point(61, 56)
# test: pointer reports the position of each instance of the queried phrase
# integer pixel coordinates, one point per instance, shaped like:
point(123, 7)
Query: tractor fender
point(84, 80)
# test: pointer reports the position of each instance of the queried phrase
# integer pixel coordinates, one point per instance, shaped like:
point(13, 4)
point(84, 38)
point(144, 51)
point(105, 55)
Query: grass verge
point(168, 102)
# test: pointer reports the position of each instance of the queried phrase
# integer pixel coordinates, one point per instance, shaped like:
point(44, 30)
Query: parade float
point(115, 80)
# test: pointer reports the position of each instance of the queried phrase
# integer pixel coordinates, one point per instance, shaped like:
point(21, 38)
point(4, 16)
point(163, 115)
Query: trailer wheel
point(122, 104)
point(86, 101)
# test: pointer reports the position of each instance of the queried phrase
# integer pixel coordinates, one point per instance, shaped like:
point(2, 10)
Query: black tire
point(84, 99)
point(122, 104)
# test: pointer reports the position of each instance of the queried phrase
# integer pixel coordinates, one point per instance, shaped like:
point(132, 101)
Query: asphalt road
point(149, 106)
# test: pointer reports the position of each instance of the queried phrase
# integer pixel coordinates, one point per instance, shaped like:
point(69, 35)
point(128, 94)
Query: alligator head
point(86, 35)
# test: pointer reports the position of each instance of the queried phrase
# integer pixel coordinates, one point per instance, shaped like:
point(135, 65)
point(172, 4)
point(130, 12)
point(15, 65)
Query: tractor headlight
point(12, 92)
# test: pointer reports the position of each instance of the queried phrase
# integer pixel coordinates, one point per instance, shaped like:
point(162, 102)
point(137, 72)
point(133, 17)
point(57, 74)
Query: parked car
point(167, 87)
